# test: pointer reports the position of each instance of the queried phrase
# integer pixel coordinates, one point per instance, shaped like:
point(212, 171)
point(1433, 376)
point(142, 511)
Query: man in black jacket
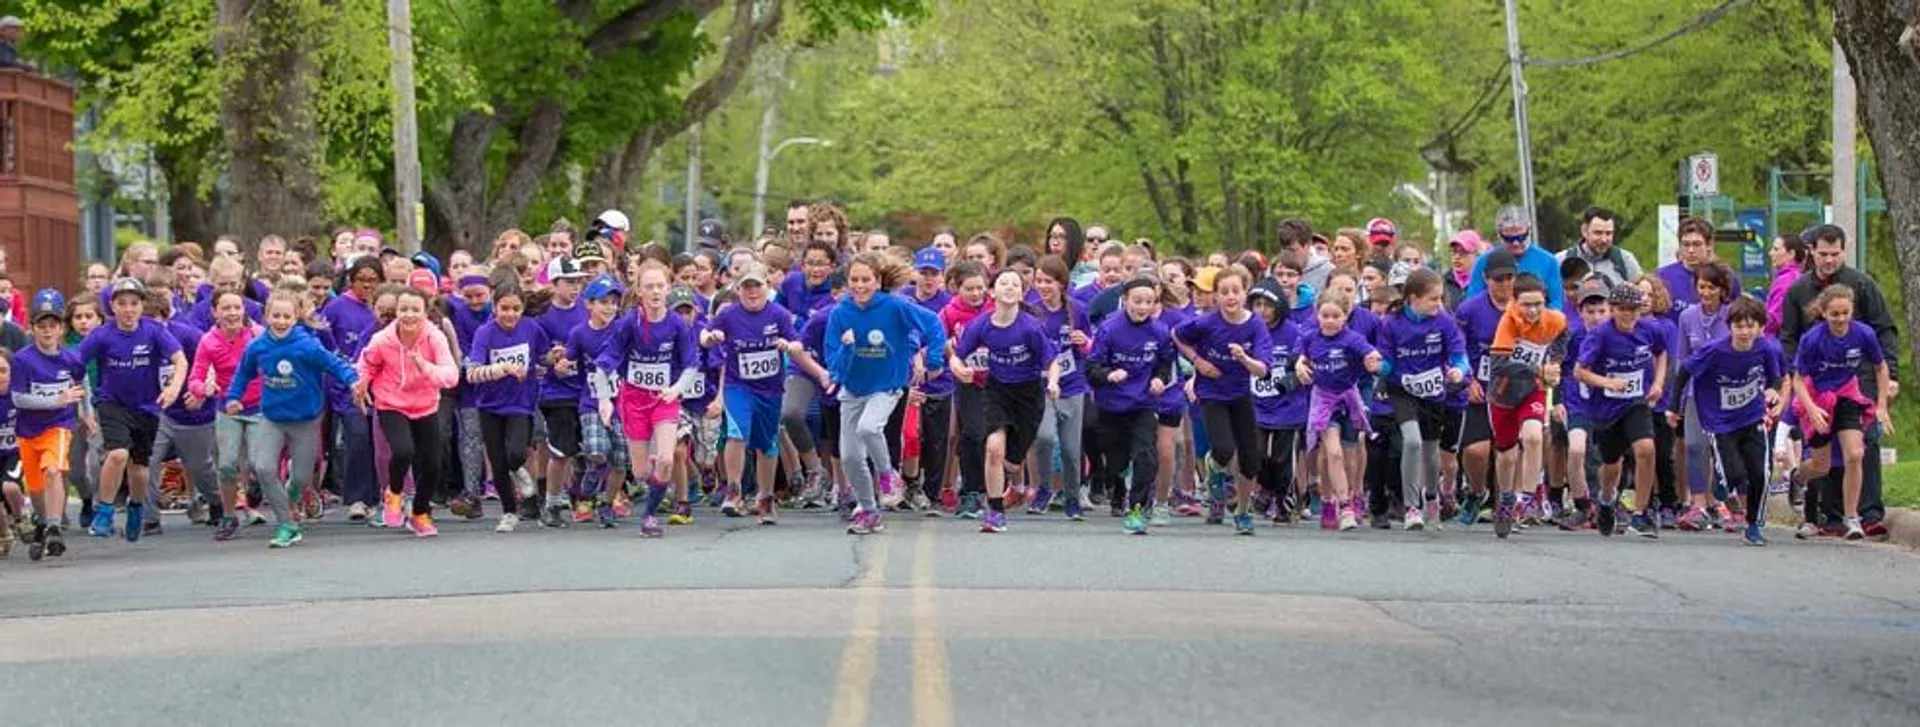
point(1828, 245)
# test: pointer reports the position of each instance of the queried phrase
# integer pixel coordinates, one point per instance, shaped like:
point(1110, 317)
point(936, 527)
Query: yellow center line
point(932, 688)
point(855, 685)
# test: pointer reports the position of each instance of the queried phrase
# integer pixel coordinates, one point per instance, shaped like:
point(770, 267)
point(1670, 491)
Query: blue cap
point(602, 287)
point(47, 302)
point(424, 259)
point(929, 257)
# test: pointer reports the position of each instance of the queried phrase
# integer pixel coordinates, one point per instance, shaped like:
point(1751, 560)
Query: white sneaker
point(523, 483)
point(507, 523)
point(1415, 520)
point(355, 513)
point(1347, 522)
point(1162, 516)
point(1854, 530)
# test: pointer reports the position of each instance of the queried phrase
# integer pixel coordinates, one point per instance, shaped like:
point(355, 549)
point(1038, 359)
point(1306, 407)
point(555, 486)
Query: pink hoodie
point(397, 384)
point(220, 353)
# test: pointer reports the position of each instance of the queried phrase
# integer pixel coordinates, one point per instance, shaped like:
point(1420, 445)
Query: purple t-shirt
point(1273, 407)
point(352, 323)
point(1479, 320)
point(1420, 352)
point(803, 301)
point(1209, 336)
point(1137, 348)
point(1729, 387)
point(1017, 353)
point(189, 339)
point(752, 360)
point(558, 323)
point(46, 377)
point(466, 323)
point(1073, 375)
point(1832, 360)
point(1338, 361)
point(1624, 355)
point(583, 348)
point(941, 384)
point(1667, 327)
point(1573, 393)
point(1680, 285)
point(527, 345)
point(1173, 401)
point(650, 355)
point(130, 363)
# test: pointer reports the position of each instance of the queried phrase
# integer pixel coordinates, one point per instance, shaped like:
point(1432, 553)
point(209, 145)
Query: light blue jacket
point(886, 334)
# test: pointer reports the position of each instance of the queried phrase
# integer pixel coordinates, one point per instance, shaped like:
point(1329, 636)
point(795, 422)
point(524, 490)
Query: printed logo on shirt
point(876, 337)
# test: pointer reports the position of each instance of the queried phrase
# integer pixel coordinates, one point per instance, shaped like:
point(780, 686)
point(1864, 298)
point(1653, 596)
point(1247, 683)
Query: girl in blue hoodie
point(872, 338)
point(289, 363)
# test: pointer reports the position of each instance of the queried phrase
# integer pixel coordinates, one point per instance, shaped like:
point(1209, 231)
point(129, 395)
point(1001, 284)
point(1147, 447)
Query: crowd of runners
point(580, 378)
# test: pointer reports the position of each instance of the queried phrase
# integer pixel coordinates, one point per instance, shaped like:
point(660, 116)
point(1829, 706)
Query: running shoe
point(731, 506)
point(1328, 518)
point(508, 521)
point(993, 522)
point(1116, 509)
point(1347, 521)
point(286, 536)
point(1415, 520)
point(229, 528)
point(1162, 516)
point(623, 505)
point(603, 514)
point(812, 489)
point(392, 511)
point(949, 500)
point(1470, 509)
point(1041, 501)
point(682, 515)
point(357, 512)
point(650, 527)
point(197, 513)
point(255, 518)
point(768, 510)
point(865, 522)
point(1667, 519)
point(1449, 508)
point(1725, 517)
point(1243, 523)
point(1753, 535)
point(1877, 529)
point(1380, 522)
point(970, 506)
point(136, 521)
point(1076, 510)
point(1135, 524)
point(1643, 525)
point(1604, 516)
point(50, 542)
point(1854, 530)
point(421, 526)
point(1694, 520)
point(1503, 519)
point(554, 515)
point(1736, 521)
point(1217, 498)
point(6, 540)
point(460, 506)
point(918, 501)
point(1806, 531)
point(1575, 519)
point(890, 495)
point(583, 511)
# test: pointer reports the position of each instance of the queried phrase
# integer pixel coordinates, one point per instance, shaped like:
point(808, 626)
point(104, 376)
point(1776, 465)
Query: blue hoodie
point(884, 334)
point(289, 369)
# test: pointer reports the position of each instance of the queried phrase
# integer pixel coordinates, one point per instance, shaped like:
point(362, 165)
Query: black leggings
point(936, 421)
point(1276, 465)
point(414, 444)
point(506, 437)
point(1743, 459)
point(1129, 439)
point(1230, 428)
point(1383, 468)
point(970, 406)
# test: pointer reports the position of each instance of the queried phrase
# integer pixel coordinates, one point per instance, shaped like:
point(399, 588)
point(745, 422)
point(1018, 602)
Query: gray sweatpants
point(194, 446)
point(1061, 426)
point(1419, 465)
point(793, 411)
point(301, 441)
point(863, 437)
point(235, 435)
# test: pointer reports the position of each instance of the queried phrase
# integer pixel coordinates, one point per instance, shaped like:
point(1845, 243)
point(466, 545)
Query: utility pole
point(406, 139)
point(692, 222)
point(1846, 203)
point(770, 118)
point(1514, 59)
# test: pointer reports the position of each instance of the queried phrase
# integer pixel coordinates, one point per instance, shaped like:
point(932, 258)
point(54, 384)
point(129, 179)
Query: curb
point(1903, 523)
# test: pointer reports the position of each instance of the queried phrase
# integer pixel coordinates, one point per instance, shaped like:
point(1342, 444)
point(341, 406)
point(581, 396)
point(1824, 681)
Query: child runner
point(501, 357)
point(806, 292)
point(1333, 358)
point(872, 341)
point(1020, 356)
point(1479, 318)
point(969, 282)
point(753, 334)
point(1174, 440)
point(214, 363)
point(141, 372)
point(1571, 410)
point(1828, 398)
point(186, 427)
point(469, 309)
point(927, 474)
point(1625, 362)
point(1526, 354)
point(1739, 386)
point(602, 441)
point(1064, 419)
point(402, 372)
point(47, 383)
point(1229, 348)
point(652, 354)
point(1130, 365)
point(1423, 356)
point(1279, 405)
point(560, 388)
point(700, 412)
point(289, 363)
point(1700, 324)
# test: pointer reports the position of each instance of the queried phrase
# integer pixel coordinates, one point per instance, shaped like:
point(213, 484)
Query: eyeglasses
point(362, 279)
point(1091, 238)
point(1501, 278)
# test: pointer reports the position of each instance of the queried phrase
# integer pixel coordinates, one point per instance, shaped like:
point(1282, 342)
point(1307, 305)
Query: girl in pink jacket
point(214, 363)
point(402, 371)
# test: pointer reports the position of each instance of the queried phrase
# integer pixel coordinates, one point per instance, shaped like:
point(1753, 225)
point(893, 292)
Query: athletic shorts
point(1170, 421)
point(1475, 426)
point(1506, 421)
point(598, 440)
point(49, 450)
point(642, 410)
point(123, 428)
point(909, 432)
point(1015, 408)
point(563, 428)
point(753, 418)
point(1847, 416)
point(1616, 437)
point(1438, 422)
point(700, 435)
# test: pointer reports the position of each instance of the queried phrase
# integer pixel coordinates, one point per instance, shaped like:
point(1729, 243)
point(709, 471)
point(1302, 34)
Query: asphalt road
point(1053, 623)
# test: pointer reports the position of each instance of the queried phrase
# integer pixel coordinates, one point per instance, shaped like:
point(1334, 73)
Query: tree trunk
point(615, 181)
point(457, 204)
point(192, 217)
point(267, 111)
point(1889, 82)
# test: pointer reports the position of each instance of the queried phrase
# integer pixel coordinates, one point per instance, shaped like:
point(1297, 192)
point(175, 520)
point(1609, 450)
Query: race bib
point(1531, 354)
point(1733, 399)
point(1636, 386)
point(1066, 364)
point(1486, 368)
point(1426, 385)
point(977, 360)
point(696, 389)
point(513, 355)
point(758, 365)
point(8, 442)
point(648, 376)
point(1265, 387)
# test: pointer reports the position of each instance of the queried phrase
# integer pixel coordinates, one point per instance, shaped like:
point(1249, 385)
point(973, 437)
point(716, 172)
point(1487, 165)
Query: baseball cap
point(1627, 296)
point(562, 268)
point(1381, 229)
point(389, 251)
point(602, 287)
point(712, 233)
point(426, 260)
point(126, 285)
point(614, 219)
point(11, 22)
point(1398, 274)
point(1591, 289)
point(48, 302)
point(1468, 240)
point(1499, 261)
point(1268, 290)
point(752, 272)
point(1511, 216)
point(1203, 278)
point(930, 258)
point(588, 252)
point(423, 280)
point(679, 296)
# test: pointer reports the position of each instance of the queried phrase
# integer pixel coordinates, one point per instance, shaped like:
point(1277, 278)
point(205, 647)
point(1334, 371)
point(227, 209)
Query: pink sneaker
point(1694, 520)
point(1329, 519)
point(422, 526)
point(394, 513)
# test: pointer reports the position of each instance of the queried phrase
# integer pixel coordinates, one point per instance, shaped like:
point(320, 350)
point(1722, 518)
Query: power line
point(1708, 18)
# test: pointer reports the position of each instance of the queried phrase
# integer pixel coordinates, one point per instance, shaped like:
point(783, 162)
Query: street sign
point(1703, 175)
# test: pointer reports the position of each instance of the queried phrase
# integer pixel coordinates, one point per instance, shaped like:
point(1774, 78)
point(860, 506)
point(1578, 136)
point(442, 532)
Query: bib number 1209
point(759, 365)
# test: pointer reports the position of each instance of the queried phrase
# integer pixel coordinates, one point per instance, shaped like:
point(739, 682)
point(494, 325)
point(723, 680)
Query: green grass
point(1900, 484)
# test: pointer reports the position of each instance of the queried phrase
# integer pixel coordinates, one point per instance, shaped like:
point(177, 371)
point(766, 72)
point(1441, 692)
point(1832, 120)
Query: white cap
point(11, 22)
point(616, 220)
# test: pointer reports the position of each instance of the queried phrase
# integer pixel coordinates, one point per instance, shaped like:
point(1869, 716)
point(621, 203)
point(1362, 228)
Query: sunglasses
point(1514, 239)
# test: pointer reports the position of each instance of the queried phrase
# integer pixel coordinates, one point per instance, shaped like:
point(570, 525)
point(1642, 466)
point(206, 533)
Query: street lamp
point(760, 177)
